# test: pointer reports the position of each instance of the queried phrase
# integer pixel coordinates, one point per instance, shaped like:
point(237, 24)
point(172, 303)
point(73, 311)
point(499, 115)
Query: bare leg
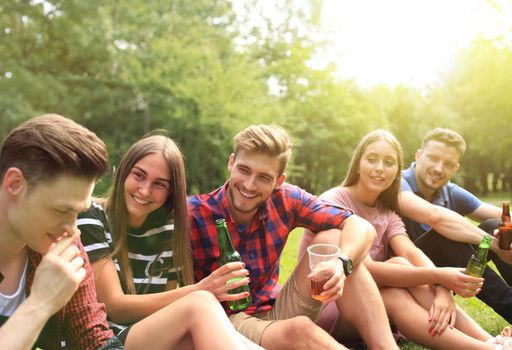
point(361, 305)
point(412, 320)
point(196, 321)
point(297, 333)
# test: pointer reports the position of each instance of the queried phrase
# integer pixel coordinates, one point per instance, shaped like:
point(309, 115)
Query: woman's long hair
point(176, 203)
point(388, 197)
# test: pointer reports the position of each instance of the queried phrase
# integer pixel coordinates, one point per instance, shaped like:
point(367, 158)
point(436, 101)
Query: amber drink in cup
point(323, 259)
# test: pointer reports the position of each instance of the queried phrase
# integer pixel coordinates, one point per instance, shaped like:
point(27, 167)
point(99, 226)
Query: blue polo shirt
point(449, 196)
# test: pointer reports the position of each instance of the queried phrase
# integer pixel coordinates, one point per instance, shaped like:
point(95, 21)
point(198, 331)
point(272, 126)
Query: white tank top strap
point(9, 303)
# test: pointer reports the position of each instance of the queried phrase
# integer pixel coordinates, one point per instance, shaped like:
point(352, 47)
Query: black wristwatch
point(347, 264)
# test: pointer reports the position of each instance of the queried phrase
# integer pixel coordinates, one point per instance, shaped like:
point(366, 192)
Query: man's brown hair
point(271, 140)
point(50, 145)
point(448, 137)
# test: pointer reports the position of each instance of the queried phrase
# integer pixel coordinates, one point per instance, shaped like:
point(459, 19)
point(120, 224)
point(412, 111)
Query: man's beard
point(428, 185)
point(238, 208)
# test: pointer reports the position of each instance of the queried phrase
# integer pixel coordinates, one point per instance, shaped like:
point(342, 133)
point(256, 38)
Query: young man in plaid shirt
point(260, 211)
point(48, 167)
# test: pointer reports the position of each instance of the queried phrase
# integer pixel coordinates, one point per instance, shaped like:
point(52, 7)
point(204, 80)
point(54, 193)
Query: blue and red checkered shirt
point(260, 244)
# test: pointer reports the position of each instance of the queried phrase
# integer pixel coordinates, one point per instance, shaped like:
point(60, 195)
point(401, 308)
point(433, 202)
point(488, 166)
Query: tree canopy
point(203, 70)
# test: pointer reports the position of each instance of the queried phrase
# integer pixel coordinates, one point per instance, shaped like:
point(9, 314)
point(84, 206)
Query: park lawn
point(484, 315)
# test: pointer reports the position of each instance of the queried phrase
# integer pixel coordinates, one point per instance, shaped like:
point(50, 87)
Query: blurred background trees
point(204, 70)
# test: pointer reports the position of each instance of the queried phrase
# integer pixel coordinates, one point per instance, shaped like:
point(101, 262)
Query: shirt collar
point(408, 175)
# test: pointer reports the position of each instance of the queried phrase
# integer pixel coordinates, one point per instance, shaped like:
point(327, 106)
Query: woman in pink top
point(417, 295)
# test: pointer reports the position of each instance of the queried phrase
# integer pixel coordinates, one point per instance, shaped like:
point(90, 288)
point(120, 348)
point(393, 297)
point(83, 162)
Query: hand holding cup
point(323, 262)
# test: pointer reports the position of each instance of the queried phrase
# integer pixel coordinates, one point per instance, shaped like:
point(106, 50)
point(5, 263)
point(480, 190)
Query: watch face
point(347, 264)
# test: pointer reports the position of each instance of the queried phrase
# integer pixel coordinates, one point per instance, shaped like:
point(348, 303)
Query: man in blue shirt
point(433, 210)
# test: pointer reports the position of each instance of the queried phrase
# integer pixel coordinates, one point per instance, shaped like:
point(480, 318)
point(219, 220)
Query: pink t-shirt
point(387, 224)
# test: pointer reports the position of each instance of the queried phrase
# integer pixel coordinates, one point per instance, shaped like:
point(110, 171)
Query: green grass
point(289, 256)
point(497, 198)
point(484, 315)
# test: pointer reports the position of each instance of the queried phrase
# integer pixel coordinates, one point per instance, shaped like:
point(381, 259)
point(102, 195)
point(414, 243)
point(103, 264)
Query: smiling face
point(436, 164)
point(146, 187)
point(378, 167)
point(253, 177)
point(41, 215)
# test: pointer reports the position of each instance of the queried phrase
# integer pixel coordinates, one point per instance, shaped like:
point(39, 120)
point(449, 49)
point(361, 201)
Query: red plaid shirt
point(82, 322)
point(260, 244)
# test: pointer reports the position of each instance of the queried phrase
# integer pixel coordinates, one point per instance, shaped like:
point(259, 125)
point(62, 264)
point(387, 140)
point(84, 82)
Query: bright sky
point(406, 41)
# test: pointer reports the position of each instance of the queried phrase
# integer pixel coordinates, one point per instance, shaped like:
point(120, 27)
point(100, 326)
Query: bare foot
point(504, 338)
point(506, 332)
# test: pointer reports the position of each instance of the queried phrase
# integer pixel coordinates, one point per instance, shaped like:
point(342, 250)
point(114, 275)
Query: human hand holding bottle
point(504, 254)
point(217, 281)
point(455, 279)
point(228, 254)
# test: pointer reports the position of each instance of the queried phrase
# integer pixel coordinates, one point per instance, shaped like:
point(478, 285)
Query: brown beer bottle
point(505, 227)
point(478, 261)
point(229, 254)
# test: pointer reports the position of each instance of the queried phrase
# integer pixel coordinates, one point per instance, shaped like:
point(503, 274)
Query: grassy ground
point(485, 316)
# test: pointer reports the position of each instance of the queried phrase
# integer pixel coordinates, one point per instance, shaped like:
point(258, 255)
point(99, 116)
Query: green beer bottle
point(478, 261)
point(229, 254)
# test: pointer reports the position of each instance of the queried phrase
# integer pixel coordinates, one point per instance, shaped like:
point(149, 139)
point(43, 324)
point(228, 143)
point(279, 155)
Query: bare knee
point(299, 327)
point(201, 298)
point(394, 297)
point(399, 260)
point(200, 307)
point(201, 302)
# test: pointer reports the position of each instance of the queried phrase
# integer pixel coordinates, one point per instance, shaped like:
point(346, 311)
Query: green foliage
point(478, 89)
point(204, 71)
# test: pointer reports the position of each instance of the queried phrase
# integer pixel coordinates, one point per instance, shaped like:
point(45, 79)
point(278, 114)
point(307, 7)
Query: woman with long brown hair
point(138, 244)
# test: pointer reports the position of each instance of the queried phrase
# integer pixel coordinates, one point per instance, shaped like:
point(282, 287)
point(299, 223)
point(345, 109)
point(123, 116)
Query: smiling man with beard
point(261, 210)
point(433, 209)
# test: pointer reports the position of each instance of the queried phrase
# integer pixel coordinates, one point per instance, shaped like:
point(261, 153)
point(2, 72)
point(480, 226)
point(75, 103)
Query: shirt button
point(253, 255)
